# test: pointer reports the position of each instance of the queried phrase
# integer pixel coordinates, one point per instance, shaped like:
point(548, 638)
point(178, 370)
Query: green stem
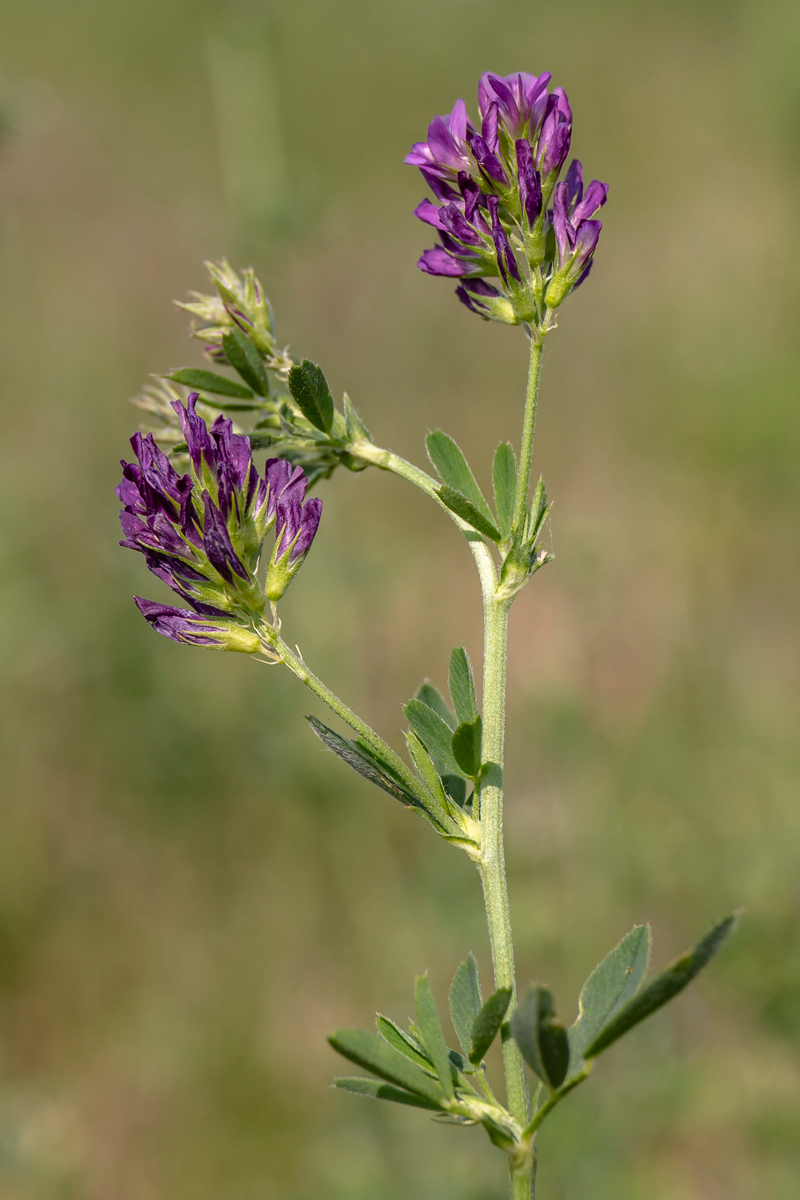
point(528, 429)
point(523, 1179)
point(492, 863)
point(277, 645)
point(386, 460)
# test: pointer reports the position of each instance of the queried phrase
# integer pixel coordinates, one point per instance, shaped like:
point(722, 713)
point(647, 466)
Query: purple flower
point(493, 188)
point(486, 301)
point(583, 204)
point(554, 140)
point(429, 213)
point(506, 258)
point(182, 625)
point(202, 533)
point(530, 183)
point(446, 151)
point(437, 261)
point(575, 245)
point(488, 162)
point(520, 99)
point(296, 526)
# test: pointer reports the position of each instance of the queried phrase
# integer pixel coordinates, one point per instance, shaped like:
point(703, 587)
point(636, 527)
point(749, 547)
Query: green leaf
point(362, 762)
point(434, 699)
point(356, 429)
point(609, 988)
point(395, 1036)
point(432, 1033)
point(371, 1052)
point(542, 1039)
point(209, 381)
point(309, 387)
point(246, 360)
point(456, 788)
point(462, 686)
point(486, 1025)
point(466, 745)
point(465, 509)
point(382, 1091)
point(440, 803)
point(432, 731)
point(663, 987)
point(504, 478)
point(465, 1001)
point(454, 470)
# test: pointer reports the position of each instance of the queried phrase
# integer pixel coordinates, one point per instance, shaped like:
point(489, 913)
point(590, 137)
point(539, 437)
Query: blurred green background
point(191, 893)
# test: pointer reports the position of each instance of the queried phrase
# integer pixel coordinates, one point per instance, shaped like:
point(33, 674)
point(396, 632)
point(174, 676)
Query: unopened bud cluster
point(494, 189)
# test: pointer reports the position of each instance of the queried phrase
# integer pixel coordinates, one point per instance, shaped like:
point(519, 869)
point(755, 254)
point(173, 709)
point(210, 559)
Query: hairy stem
point(386, 460)
point(528, 429)
point(492, 862)
point(294, 662)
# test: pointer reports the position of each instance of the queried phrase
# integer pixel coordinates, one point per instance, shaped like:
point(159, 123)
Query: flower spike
point(492, 190)
point(202, 533)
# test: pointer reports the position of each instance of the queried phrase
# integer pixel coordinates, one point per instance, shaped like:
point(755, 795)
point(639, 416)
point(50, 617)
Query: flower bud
point(297, 525)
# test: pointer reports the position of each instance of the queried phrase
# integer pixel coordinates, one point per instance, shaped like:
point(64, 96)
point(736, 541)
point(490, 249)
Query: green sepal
point(371, 1052)
point(465, 1001)
point(401, 1041)
point(432, 1033)
point(452, 466)
point(487, 1023)
point(366, 764)
point(504, 479)
point(311, 393)
point(542, 1040)
point(663, 988)
point(462, 686)
point(466, 746)
point(608, 989)
point(209, 381)
point(464, 508)
point(434, 699)
point(432, 731)
point(245, 359)
point(376, 1090)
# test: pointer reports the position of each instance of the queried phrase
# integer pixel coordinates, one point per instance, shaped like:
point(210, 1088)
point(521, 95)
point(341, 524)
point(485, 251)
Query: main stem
point(492, 864)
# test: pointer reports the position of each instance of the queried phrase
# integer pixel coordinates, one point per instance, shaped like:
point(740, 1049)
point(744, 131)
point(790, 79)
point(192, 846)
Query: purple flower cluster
point(493, 188)
point(202, 533)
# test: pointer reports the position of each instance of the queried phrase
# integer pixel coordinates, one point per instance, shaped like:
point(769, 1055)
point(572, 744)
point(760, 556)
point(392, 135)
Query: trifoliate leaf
point(462, 686)
point(487, 1023)
point(609, 988)
point(662, 988)
point(454, 470)
point(542, 1040)
point(466, 745)
point(383, 1091)
point(309, 387)
point(432, 1033)
point(370, 1051)
point(504, 478)
point(243, 356)
point(464, 508)
point(465, 1001)
point(209, 381)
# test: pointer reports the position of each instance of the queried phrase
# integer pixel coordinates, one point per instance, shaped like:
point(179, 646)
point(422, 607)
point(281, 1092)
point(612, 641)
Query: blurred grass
point(191, 894)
